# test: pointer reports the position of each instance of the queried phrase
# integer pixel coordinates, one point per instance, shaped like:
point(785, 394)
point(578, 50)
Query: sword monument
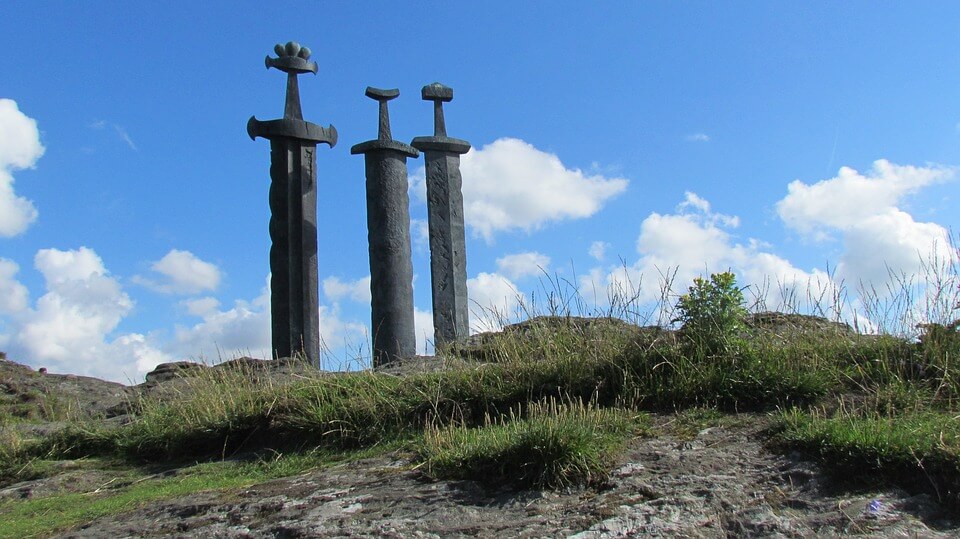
point(448, 256)
point(294, 298)
point(388, 232)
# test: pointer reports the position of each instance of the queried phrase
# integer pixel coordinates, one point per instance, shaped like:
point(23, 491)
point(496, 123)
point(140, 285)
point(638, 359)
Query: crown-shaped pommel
point(292, 58)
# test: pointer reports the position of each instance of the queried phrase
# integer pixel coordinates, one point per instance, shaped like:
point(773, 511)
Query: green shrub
point(712, 314)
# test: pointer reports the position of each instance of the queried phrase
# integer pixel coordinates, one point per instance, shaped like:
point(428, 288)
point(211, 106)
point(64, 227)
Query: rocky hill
point(706, 475)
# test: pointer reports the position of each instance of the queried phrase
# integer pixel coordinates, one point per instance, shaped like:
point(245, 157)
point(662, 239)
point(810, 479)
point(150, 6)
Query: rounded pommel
point(292, 58)
point(380, 94)
point(437, 92)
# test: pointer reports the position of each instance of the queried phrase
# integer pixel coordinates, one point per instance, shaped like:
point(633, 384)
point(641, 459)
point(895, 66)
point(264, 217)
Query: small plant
point(712, 314)
point(688, 423)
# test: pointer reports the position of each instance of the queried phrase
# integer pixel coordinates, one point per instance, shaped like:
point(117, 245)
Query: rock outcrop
point(721, 482)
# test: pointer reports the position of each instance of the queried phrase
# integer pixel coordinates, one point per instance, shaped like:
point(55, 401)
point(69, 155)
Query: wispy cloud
point(519, 265)
point(698, 137)
point(125, 136)
point(119, 129)
point(598, 250)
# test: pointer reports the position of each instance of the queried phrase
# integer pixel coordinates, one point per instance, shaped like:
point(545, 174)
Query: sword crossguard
point(289, 128)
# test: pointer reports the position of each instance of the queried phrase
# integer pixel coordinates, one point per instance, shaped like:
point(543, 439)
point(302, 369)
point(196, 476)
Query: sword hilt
point(293, 60)
point(383, 133)
point(439, 94)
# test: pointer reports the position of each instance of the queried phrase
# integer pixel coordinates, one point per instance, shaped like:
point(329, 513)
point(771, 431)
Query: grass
point(549, 445)
point(548, 403)
point(918, 449)
point(220, 413)
point(32, 405)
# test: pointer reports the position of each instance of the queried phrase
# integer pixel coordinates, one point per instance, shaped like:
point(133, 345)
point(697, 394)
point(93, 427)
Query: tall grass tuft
point(918, 449)
point(547, 445)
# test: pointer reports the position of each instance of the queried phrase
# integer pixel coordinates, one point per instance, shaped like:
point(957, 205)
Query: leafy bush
point(712, 314)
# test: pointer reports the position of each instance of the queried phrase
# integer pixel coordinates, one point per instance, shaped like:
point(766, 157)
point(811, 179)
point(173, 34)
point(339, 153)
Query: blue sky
point(611, 141)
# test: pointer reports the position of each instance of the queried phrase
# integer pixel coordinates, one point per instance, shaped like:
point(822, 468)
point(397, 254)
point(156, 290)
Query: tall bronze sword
point(294, 297)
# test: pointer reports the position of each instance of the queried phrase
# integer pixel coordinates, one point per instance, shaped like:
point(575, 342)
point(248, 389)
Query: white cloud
point(82, 305)
point(683, 239)
point(359, 291)
point(511, 185)
point(423, 322)
point(850, 197)
point(692, 200)
point(891, 242)
point(519, 265)
point(20, 137)
point(69, 328)
point(183, 273)
point(19, 148)
point(13, 295)
point(698, 137)
point(864, 210)
point(420, 230)
point(200, 306)
point(701, 205)
point(494, 300)
point(16, 213)
point(243, 329)
point(338, 333)
point(598, 250)
point(138, 349)
point(689, 243)
point(72, 327)
point(59, 267)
